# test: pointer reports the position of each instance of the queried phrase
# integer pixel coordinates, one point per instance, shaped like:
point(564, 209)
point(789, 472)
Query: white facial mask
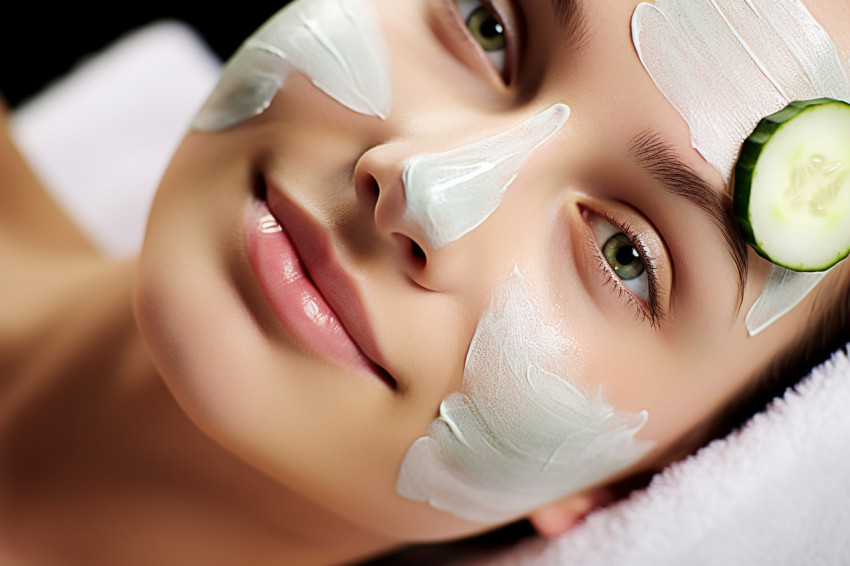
point(450, 194)
point(336, 43)
point(520, 433)
point(725, 65)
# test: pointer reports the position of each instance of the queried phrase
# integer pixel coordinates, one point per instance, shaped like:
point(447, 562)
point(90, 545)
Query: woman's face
point(326, 379)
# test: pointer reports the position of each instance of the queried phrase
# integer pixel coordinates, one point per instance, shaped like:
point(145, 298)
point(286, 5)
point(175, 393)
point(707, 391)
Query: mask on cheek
point(520, 433)
point(336, 43)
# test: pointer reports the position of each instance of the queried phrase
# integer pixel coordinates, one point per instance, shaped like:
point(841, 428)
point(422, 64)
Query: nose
point(379, 179)
point(425, 203)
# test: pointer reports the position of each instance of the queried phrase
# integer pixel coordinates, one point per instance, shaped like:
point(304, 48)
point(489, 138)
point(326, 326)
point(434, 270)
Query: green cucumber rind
point(745, 166)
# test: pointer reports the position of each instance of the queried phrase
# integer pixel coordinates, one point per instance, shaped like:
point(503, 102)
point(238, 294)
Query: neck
point(98, 458)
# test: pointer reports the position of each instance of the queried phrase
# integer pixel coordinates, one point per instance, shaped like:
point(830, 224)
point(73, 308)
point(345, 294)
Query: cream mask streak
point(522, 431)
point(336, 43)
point(725, 65)
point(450, 194)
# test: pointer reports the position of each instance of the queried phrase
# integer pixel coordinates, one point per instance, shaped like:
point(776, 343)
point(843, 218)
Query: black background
point(40, 41)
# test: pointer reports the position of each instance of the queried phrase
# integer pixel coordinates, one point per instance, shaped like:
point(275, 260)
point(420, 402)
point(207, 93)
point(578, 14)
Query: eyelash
point(651, 312)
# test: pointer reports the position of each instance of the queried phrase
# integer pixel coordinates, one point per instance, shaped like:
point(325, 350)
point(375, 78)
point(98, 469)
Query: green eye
point(623, 257)
point(486, 29)
point(623, 253)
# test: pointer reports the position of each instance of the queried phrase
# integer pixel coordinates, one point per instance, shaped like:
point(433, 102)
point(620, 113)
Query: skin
point(265, 450)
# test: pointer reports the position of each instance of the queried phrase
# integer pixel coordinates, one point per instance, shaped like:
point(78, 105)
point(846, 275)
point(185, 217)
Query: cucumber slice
point(792, 185)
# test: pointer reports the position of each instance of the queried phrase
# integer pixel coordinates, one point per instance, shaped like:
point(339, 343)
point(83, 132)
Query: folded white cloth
point(101, 137)
point(777, 492)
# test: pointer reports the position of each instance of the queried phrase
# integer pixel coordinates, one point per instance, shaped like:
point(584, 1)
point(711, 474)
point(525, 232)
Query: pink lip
point(294, 287)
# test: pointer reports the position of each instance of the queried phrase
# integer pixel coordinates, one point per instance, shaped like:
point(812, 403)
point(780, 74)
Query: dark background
point(40, 41)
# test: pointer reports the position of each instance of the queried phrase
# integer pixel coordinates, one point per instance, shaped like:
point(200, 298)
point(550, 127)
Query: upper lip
point(313, 244)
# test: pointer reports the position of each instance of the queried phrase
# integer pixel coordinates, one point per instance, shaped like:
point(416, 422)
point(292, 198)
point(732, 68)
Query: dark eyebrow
point(570, 16)
point(661, 162)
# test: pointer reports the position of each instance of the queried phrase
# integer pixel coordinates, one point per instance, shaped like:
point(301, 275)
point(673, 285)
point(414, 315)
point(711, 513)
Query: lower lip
point(293, 297)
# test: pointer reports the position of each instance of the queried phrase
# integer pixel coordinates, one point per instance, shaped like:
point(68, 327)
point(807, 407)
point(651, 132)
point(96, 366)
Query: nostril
point(417, 251)
point(413, 254)
point(368, 190)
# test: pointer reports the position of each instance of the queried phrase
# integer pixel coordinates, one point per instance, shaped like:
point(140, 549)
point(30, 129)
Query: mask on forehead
point(336, 43)
point(521, 432)
point(725, 65)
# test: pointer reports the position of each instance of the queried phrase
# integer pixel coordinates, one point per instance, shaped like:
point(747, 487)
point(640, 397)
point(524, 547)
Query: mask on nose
point(450, 194)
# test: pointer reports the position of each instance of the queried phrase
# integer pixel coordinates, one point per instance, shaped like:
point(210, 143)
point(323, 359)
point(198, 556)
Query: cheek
point(520, 433)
